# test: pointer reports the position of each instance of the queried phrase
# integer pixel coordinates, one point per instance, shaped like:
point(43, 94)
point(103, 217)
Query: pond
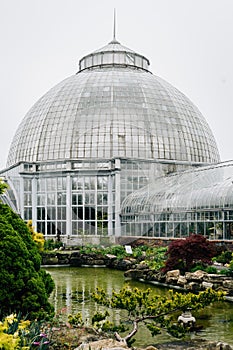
point(74, 285)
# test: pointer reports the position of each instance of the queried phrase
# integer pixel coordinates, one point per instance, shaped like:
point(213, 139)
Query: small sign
point(128, 249)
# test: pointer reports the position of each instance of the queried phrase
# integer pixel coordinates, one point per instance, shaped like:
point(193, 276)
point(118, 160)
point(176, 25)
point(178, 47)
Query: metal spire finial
point(114, 41)
point(114, 25)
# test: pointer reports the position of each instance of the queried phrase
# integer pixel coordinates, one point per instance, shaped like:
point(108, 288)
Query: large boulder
point(195, 276)
point(172, 276)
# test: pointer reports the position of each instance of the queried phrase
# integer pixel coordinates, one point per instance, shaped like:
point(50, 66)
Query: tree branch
point(131, 334)
point(135, 325)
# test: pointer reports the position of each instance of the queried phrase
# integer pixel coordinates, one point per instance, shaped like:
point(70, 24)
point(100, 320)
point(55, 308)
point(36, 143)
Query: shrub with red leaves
point(184, 253)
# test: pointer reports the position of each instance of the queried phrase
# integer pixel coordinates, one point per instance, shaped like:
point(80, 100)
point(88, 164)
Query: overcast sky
point(189, 43)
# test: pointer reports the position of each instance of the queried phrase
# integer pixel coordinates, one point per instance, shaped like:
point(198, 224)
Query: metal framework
point(195, 201)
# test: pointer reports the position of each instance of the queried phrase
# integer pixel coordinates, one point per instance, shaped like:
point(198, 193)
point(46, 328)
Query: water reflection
point(74, 286)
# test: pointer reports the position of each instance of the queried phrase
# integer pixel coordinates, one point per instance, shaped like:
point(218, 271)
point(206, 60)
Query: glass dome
point(113, 108)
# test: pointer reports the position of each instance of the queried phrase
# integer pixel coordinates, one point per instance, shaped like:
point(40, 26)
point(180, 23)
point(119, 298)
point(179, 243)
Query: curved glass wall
point(195, 201)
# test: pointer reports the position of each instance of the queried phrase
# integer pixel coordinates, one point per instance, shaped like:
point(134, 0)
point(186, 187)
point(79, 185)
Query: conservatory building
point(114, 150)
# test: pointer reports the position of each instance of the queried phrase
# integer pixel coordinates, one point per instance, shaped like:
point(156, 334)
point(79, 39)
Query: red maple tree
point(184, 253)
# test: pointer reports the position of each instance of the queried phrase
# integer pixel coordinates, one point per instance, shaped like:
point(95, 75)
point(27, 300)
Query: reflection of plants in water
point(205, 316)
point(77, 296)
point(76, 320)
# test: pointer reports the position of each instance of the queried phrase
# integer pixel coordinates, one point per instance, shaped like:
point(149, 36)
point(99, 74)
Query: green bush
point(211, 269)
point(91, 248)
point(208, 269)
point(23, 286)
point(198, 267)
point(117, 250)
point(224, 258)
point(50, 244)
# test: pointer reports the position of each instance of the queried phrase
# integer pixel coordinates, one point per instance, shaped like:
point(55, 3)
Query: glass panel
point(61, 213)
point(41, 199)
point(40, 213)
point(27, 185)
point(27, 199)
point(51, 213)
point(61, 198)
point(51, 198)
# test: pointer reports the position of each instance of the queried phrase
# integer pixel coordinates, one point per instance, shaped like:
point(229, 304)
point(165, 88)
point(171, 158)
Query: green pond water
point(73, 287)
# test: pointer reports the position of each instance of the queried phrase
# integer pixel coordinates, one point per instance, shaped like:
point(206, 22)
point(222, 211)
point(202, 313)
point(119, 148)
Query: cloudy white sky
point(188, 42)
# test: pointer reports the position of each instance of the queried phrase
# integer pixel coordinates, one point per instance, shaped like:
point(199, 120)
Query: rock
point(215, 278)
point(150, 276)
point(181, 281)
point(76, 261)
point(63, 259)
point(173, 273)
point(134, 274)
point(195, 276)
point(193, 286)
point(159, 276)
point(142, 266)
point(76, 254)
point(172, 276)
point(92, 262)
point(111, 256)
point(200, 344)
point(228, 284)
point(206, 285)
point(200, 274)
point(123, 265)
point(50, 261)
point(223, 346)
point(103, 344)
